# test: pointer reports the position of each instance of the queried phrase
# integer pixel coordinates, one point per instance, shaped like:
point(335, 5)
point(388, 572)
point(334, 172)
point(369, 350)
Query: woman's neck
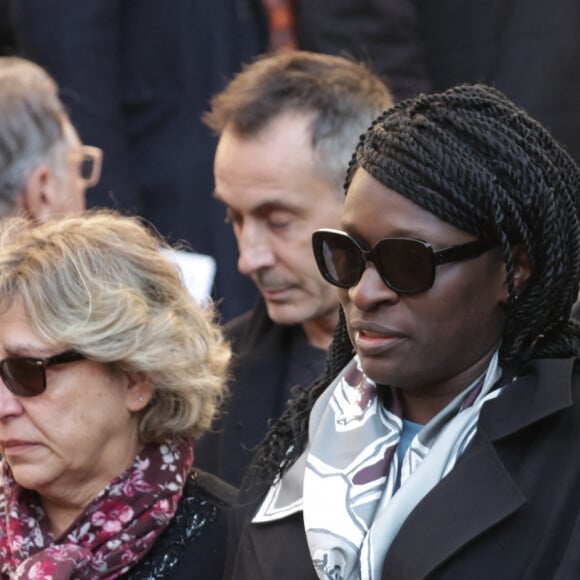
point(421, 405)
point(62, 513)
point(64, 501)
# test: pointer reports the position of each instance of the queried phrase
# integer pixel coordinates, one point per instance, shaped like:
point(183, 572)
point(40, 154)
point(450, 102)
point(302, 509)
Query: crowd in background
point(137, 79)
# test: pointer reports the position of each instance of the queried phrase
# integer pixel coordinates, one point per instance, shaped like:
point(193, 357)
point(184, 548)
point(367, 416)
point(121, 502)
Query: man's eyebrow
point(265, 206)
point(274, 205)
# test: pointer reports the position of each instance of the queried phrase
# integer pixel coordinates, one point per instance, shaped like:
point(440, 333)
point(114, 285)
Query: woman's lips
point(373, 342)
point(13, 447)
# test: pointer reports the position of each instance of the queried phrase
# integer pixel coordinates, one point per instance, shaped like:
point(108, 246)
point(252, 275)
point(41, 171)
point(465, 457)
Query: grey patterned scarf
point(345, 481)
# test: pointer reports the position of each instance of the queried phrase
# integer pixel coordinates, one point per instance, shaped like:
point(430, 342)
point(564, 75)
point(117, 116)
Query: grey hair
point(98, 284)
point(342, 96)
point(31, 126)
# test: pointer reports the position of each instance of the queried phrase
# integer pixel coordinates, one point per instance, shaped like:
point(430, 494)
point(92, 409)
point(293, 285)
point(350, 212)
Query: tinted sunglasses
point(26, 376)
point(405, 265)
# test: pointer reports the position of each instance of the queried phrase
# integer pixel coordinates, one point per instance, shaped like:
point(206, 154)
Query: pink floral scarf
point(112, 534)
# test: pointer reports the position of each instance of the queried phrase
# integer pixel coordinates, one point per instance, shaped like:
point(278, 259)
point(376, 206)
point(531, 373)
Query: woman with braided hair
point(442, 440)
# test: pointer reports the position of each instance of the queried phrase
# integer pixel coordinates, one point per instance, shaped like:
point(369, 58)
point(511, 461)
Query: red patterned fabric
point(111, 535)
point(282, 24)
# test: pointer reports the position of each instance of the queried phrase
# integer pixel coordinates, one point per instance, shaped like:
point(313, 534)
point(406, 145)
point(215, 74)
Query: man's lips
point(275, 293)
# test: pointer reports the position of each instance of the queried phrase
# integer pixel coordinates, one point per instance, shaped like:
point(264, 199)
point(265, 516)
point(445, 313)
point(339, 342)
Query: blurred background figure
point(44, 167)
point(527, 49)
point(109, 370)
point(6, 31)
point(419, 46)
point(136, 78)
point(384, 34)
point(288, 124)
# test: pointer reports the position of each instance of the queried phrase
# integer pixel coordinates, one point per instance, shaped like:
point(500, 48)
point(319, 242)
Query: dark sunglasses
point(26, 376)
point(405, 265)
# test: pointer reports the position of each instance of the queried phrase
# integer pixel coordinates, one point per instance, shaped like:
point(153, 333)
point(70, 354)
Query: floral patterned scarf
point(111, 535)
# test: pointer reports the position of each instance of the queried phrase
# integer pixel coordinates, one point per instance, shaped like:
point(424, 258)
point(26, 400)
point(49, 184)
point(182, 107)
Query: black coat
point(258, 392)
point(509, 510)
point(384, 34)
point(137, 75)
point(529, 49)
point(193, 545)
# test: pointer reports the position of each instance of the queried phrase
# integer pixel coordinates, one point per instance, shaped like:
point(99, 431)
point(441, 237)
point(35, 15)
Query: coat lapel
point(479, 492)
point(280, 550)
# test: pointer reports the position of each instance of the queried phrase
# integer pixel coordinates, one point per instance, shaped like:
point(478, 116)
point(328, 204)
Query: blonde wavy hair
point(99, 284)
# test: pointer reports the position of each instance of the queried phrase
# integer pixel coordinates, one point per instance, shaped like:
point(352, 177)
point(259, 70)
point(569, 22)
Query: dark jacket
point(384, 34)
point(509, 510)
point(529, 49)
point(193, 545)
point(258, 392)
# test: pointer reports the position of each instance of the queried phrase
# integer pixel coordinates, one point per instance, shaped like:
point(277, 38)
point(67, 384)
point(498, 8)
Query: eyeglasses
point(26, 376)
point(90, 160)
point(405, 265)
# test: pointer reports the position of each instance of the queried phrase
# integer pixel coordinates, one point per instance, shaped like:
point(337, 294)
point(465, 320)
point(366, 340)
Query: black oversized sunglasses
point(26, 376)
point(405, 265)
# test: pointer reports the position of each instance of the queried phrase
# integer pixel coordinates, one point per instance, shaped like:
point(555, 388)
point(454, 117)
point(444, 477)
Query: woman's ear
point(140, 391)
point(522, 271)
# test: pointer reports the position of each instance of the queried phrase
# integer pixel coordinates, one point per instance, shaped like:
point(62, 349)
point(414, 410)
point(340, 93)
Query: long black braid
point(475, 160)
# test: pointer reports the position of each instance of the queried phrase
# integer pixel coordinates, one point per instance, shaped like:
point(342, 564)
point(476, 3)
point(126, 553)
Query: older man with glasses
point(44, 168)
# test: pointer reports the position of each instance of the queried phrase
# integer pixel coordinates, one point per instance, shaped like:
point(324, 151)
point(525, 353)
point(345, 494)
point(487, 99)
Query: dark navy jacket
point(137, 75)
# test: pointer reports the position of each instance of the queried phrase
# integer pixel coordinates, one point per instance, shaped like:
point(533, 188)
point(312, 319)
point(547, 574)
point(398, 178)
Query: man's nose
point(255, 252)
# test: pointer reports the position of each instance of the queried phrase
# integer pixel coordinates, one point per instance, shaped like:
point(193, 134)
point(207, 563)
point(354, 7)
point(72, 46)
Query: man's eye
point(279, 220)
point(233, 219)
point(278, 224)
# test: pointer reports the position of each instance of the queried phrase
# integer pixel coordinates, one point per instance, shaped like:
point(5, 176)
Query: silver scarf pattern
point(345, 481)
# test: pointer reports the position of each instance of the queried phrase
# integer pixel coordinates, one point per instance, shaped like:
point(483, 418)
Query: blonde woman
point(109, 371)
